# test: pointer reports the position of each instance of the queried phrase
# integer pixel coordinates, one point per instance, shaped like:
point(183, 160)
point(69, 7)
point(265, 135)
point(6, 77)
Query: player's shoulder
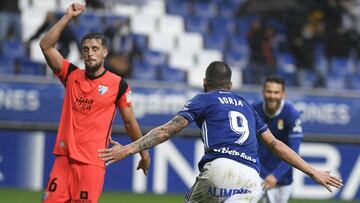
point(112, 77)
point(290, 109)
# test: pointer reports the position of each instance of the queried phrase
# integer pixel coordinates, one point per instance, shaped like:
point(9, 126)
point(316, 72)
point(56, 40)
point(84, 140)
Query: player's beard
point(92, 68)
point(273, 105)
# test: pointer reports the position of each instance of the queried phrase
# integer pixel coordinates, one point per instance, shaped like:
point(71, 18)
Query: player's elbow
point(44, 45)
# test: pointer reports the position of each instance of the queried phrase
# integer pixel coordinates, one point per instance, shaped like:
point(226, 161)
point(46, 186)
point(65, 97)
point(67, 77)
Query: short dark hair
point(218, 75)
point(97, 36)
point(276, 79)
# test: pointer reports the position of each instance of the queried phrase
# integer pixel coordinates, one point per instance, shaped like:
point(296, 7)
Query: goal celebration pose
point(229, 169)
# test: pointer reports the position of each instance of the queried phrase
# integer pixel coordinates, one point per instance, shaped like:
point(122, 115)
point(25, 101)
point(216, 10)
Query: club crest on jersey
point(102, 89)
point(280, 124)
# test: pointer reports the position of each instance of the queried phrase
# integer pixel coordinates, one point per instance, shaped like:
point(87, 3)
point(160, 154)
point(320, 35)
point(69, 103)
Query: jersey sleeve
point(125, 99)
point(261, 127)
point(193, 108)
point(65, 71)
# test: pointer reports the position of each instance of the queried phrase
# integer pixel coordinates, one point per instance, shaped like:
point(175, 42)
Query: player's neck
point(95, 74)
point(216, 89)
point(271, 112)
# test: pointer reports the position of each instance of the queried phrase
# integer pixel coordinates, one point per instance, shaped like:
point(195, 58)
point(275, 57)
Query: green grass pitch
point(22, 196)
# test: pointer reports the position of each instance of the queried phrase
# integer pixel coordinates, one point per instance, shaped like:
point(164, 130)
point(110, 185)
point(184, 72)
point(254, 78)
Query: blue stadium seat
point(195, 23)
point(235, 59)
point(29, 67)
point(286, 68)
point(249, 76)
point(215, 41)
point(178, 7)
point(354, 81)
point(89, 20)
point(111, 19)
point(7, 65)
point(335, 81)
point(80, 30)
point(171, 74)
point(13, 49)
point(321, 64)
point(340, 66)
point(307, 78)
point(142, 70)
point(289, 77)
point(243, 24)
point(206, 9)
point(140, 41)
point(237, 3)
point(155, 57)
point(239, 44)
point(224, 25)
point(226, 9)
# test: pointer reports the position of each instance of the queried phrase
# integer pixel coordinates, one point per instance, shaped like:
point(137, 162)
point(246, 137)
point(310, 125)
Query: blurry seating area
point(309, 44)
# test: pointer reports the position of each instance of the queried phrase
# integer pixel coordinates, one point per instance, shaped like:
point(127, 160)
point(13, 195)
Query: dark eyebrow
point(92, 47)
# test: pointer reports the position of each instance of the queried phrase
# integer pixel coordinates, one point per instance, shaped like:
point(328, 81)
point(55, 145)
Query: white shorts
point(280, 194)
point(225, 180)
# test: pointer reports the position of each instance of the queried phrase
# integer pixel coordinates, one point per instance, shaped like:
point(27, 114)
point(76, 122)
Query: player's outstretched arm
point(47, 44)
point(152, 138)
point(134, 132)
point(287, 154)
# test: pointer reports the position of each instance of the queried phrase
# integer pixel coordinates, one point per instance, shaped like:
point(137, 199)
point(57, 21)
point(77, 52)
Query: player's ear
point(229, 85)
point(106, 51)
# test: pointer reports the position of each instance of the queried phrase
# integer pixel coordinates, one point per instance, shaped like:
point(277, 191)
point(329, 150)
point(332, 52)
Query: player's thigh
point(279, 194)
point(57, 187)
point(199, 191)
point(86, 182)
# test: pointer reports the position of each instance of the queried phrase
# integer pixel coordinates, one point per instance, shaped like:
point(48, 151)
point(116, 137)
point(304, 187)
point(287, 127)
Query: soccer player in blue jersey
point(284, 122)
point(229, 169)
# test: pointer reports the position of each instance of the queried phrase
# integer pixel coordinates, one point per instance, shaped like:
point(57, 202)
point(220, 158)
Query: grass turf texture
point(23, 196)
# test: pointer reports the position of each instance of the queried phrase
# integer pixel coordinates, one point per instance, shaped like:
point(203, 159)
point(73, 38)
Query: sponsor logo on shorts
point(226, 192)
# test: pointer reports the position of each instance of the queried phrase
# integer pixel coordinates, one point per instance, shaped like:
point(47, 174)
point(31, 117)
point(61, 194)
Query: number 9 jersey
point(229, 127)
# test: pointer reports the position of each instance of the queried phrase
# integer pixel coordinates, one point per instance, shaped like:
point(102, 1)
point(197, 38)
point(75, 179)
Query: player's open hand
point(75, 9)
point(144, 163)
point(324, 178)
point(116, 153)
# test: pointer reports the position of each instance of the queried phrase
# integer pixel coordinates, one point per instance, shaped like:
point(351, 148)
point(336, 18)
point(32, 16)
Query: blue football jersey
point(229, 126)
point(285, 125)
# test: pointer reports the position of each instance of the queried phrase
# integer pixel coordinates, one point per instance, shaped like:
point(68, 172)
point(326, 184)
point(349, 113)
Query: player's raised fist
point(75, 9)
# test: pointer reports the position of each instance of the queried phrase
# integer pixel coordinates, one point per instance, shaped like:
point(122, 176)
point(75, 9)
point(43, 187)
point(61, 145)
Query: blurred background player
point(284, 122)
point(89, 107)
point(229, 169)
